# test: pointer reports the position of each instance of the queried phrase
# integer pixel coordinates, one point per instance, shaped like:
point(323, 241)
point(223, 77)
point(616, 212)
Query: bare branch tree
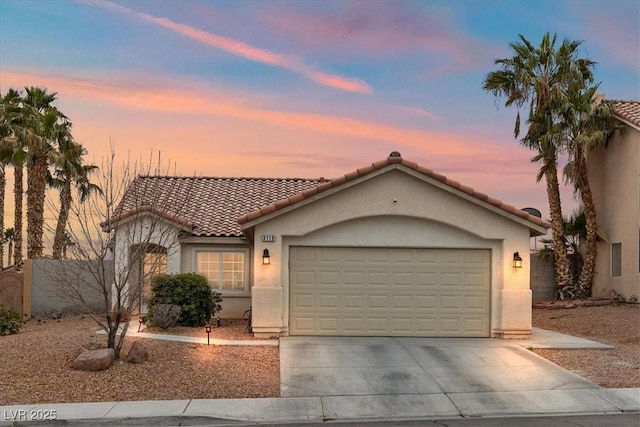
point(133, 224)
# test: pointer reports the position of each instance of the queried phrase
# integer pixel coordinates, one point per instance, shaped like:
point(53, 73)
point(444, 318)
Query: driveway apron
point(360, 366)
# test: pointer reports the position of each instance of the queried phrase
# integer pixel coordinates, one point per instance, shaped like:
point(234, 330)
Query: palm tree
point(8, 239)
point(69, 171)
point(539, 77)
point(11, 153)
point(587, 124)
point(45, 127)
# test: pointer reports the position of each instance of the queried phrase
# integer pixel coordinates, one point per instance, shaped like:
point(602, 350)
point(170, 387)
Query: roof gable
point(394, 160)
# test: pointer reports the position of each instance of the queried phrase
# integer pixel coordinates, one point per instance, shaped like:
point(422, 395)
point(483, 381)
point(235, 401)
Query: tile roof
point(218, 206)
point(627, 110)
point(393, 159)
point(206, 206)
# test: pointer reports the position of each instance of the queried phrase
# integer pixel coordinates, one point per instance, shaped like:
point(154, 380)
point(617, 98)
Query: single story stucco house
point(391, 249)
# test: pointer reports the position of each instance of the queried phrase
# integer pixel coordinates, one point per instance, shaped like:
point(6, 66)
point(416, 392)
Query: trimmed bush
point(10, 321)
point(164, 316)
point(191, 292)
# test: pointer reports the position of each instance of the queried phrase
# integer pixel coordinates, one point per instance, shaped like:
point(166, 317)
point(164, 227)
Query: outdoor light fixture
point(266, 258)
point(207, 328)
point(140, 322)
point(517, 260)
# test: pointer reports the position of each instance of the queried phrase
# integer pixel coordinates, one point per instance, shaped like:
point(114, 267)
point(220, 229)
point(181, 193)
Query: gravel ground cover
point(616, 324)
point(35, 365)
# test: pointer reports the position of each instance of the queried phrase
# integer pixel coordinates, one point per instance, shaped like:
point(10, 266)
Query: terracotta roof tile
point(627, 110)
point(214, 206)
point(210, 206)
point(395, 158)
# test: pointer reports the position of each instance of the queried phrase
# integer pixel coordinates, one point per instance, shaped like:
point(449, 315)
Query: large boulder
point(87, 346)
point(137, 354)
point(94, 360)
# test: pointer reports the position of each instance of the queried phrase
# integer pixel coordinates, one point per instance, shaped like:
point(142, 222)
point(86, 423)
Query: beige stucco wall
point(143, 229)
point(180, 256)
point(397, 209)
point(234, 304)
point(614, 175)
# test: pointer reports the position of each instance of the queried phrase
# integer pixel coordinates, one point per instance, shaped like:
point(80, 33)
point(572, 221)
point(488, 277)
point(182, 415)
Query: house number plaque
point(268, 237)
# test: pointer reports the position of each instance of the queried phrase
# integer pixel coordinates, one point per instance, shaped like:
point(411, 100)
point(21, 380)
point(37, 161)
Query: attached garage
point(392, 249)
point(357, 291)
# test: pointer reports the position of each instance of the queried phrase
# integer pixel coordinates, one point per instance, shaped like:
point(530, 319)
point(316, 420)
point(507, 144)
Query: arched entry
point(150, 261)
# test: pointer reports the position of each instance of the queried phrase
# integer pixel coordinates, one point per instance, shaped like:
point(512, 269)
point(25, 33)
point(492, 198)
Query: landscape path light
point(207, 328)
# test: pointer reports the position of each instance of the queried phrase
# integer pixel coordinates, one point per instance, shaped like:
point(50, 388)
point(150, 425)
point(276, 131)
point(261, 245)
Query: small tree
point(118, 225)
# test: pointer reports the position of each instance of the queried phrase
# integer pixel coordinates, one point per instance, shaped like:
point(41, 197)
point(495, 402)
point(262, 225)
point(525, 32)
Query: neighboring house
point(391, 249)
point(614, 176)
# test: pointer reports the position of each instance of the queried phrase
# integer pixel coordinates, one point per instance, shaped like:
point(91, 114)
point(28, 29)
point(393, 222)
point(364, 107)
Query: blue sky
point(306, 88)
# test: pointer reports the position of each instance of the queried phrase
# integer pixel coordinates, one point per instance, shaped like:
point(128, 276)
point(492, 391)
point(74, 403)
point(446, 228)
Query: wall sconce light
point(207, 329)
point(517, 260)
point(266, 258)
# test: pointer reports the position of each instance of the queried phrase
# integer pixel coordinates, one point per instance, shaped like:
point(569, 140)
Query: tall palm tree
point(12, 153)
point(539, 77)
point(69, 171)
point(8, 239)
point(46, 126)
point(587, 124)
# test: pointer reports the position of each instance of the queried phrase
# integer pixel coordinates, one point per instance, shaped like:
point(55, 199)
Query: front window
point(152, 262)
point(225, 270)
point(616, 259)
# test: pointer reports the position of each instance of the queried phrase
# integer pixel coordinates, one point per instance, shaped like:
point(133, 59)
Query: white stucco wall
point(614, 175)
point(395, 209)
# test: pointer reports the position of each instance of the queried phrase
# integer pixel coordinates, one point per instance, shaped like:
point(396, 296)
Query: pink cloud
point(423, 113)
point(618, 34)
point(374, 28)
point(244, 50)
point(230, 135)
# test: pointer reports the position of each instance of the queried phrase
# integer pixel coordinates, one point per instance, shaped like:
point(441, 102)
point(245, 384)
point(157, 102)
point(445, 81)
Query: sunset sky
point(305, 88)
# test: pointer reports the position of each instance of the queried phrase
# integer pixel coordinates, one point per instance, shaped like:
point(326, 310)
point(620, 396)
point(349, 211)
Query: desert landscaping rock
point(35, 363)
point(614, 324)
point(137, 354)
point(94, 360)
point(35, 367)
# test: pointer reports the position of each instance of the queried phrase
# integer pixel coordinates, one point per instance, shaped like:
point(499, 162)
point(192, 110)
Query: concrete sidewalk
point(281, 410)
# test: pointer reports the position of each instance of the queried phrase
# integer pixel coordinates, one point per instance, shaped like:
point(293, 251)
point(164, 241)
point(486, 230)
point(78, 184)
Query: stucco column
point(267, 294)
point(515, 297)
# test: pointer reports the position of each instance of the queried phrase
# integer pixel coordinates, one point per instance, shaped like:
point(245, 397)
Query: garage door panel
point(402, 301)
point(306, 301)
point(388, 291)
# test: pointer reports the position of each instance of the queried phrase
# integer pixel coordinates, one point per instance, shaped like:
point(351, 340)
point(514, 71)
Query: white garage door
point(389, 292)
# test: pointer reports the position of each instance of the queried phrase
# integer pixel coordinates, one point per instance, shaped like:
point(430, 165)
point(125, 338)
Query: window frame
point(616, 264)
point(246, 291)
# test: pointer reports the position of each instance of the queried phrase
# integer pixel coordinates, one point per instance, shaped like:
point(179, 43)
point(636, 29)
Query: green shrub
point(10, 321)
point(191, 292)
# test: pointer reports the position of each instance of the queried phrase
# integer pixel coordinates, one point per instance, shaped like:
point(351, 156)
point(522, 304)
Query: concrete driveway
point(361, 366)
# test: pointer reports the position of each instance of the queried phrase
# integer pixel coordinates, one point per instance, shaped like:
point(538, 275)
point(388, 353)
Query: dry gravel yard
point(617, 325)
point(35, 365)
